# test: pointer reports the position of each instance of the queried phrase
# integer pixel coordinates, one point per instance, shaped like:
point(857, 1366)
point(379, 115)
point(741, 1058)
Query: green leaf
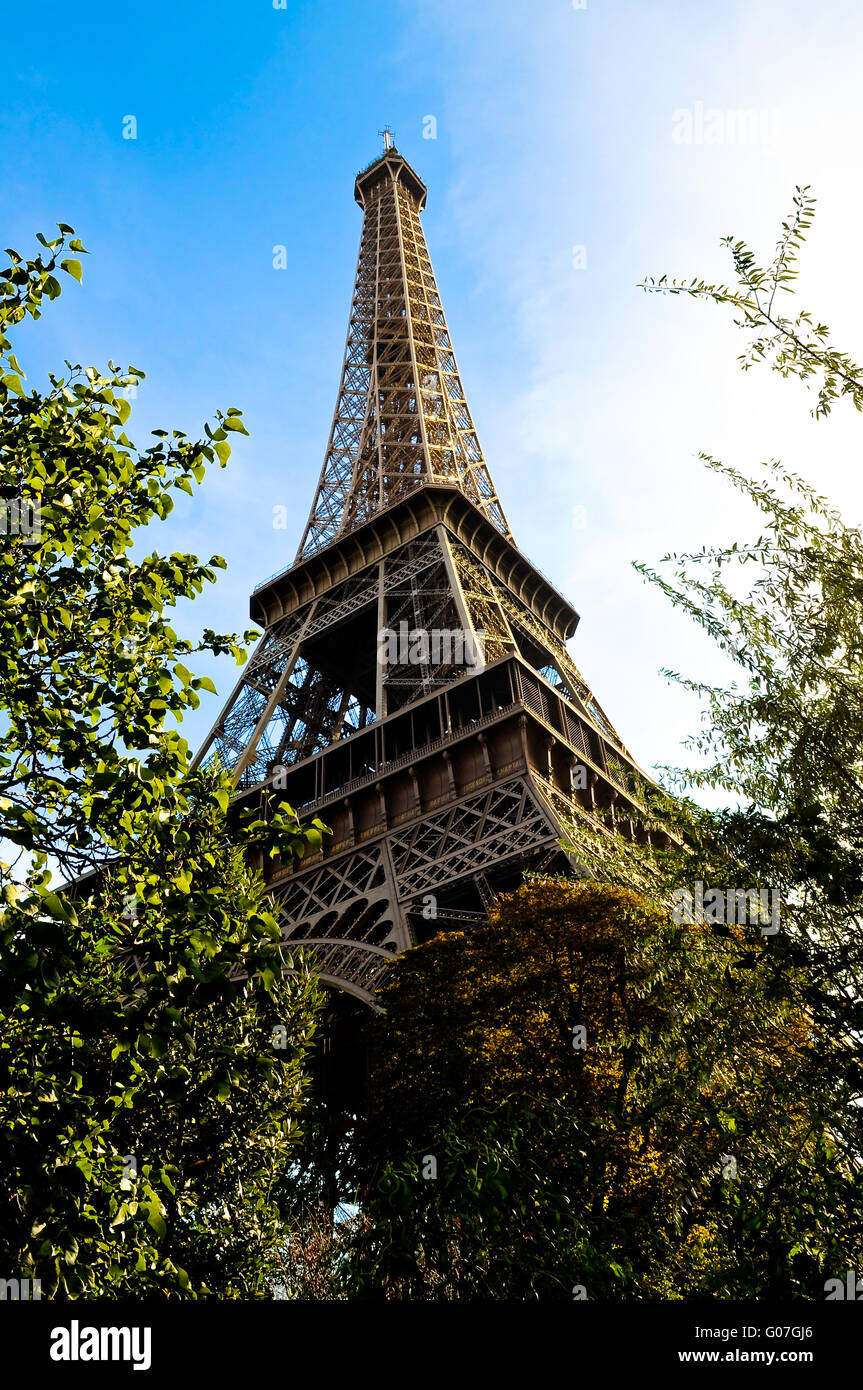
point(59, 910)
point(157, 1220)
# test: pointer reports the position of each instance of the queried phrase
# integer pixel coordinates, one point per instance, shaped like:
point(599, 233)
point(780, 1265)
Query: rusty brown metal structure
point(413, 685)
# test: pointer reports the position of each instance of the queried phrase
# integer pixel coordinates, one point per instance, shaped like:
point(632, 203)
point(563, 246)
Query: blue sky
point(554, 130)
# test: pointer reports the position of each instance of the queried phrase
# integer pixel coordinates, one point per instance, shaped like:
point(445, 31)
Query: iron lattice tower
point(451, 766)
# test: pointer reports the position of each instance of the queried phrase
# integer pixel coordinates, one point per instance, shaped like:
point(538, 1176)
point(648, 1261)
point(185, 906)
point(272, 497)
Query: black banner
point(77, 1343)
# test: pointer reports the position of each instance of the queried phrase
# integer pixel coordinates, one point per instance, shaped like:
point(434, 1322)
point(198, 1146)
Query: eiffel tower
point(413, 686)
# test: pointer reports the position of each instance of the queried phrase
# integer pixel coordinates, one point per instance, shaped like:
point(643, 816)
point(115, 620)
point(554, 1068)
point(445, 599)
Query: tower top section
point(401, 420)
point(389, 166)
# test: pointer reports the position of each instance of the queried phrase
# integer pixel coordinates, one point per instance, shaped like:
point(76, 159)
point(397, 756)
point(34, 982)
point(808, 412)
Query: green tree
point(786, 739)
point(153, 1034)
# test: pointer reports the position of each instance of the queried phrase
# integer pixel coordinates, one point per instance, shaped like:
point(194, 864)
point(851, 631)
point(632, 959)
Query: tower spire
point(401, 419)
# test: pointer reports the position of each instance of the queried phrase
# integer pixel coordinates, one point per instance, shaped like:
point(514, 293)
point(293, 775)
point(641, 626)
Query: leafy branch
point(797, 346)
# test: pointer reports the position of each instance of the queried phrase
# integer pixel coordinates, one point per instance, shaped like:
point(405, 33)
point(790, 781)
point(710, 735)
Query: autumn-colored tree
point(587, 1094)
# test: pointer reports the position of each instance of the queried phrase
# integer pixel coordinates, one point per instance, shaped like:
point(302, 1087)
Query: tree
point(787, 741)
point(587, 1094)
point(154, 1033)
